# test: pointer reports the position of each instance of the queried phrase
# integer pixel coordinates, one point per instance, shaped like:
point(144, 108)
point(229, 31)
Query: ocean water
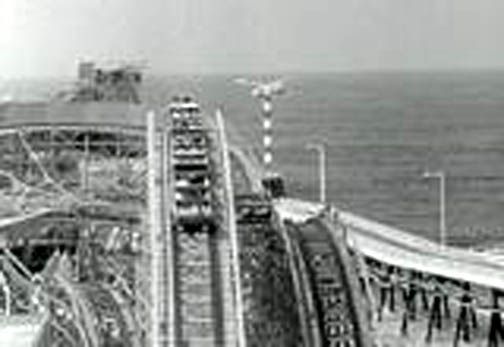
point(382, 131)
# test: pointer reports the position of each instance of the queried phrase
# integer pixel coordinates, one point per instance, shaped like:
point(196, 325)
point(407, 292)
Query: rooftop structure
point(103, 84)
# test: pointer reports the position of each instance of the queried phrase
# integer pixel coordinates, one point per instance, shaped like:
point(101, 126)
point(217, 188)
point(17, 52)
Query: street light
point(442, 202)
point(320, 148)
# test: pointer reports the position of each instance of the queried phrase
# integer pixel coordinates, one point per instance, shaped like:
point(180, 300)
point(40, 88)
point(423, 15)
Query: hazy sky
point(47, 37)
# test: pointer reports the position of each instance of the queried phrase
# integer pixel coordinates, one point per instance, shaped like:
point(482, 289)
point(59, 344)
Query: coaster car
point(253, 209)
point(199, 162)
point(192, 180)
point(194, 217)
point(274, 186)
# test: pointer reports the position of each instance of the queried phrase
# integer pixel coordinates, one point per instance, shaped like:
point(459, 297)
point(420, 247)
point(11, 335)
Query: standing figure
point(423, 291)
point(414, 286)
point(386, 290)
point(435, 316)
point(496, 331)
point(408, 294)
point(393, 281)
point(467, 315)
point(446, 304)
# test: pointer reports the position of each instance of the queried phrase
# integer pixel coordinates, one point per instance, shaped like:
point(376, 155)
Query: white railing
point(163, 322)
point(235, 255)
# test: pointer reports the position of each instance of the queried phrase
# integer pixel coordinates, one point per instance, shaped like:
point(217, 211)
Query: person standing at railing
point(436, 314)
point(446, 304)
point(496, 331)
point(382, 282)
point(386, 282)
point(467, 315)
point(408, 294)
point(423, 291)
point(393, 283)
point(415, 287)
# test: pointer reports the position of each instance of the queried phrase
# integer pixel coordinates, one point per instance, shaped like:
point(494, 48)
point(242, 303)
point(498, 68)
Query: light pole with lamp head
point(442, 202)
point(320, 148)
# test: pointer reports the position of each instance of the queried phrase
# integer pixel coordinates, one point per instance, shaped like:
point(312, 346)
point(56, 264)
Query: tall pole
point(442, 203)
point(267, 111)
point(320, 148)
point(442, 209)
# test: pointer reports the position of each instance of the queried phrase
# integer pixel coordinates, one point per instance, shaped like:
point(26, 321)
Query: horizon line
point(279, 72)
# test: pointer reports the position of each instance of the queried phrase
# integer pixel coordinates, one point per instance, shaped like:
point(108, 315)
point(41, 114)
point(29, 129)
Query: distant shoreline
point(287, 72)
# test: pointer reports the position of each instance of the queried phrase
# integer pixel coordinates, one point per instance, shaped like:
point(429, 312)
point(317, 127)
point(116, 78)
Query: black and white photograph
point(251, 173)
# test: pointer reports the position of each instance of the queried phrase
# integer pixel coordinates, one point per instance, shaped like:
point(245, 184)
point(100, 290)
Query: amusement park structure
point(127, 224)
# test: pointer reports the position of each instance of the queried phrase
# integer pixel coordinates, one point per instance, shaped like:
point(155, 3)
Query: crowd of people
point(413, 295)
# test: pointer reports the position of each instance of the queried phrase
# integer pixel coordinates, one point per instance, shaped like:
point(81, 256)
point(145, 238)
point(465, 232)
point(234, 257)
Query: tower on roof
point(113, 83)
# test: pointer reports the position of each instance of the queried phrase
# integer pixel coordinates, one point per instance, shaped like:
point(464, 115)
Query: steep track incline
point(205, 298)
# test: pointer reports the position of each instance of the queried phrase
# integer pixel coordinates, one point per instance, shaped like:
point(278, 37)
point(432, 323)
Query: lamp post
point(442, 203)
point(320, 149)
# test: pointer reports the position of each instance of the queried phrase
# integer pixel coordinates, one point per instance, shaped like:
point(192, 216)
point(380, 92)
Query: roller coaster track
point(195, 272)
point(205, 297)
point(332, 287)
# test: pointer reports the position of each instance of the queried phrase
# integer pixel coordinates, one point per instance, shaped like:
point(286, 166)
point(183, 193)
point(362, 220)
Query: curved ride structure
point(124, 224)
